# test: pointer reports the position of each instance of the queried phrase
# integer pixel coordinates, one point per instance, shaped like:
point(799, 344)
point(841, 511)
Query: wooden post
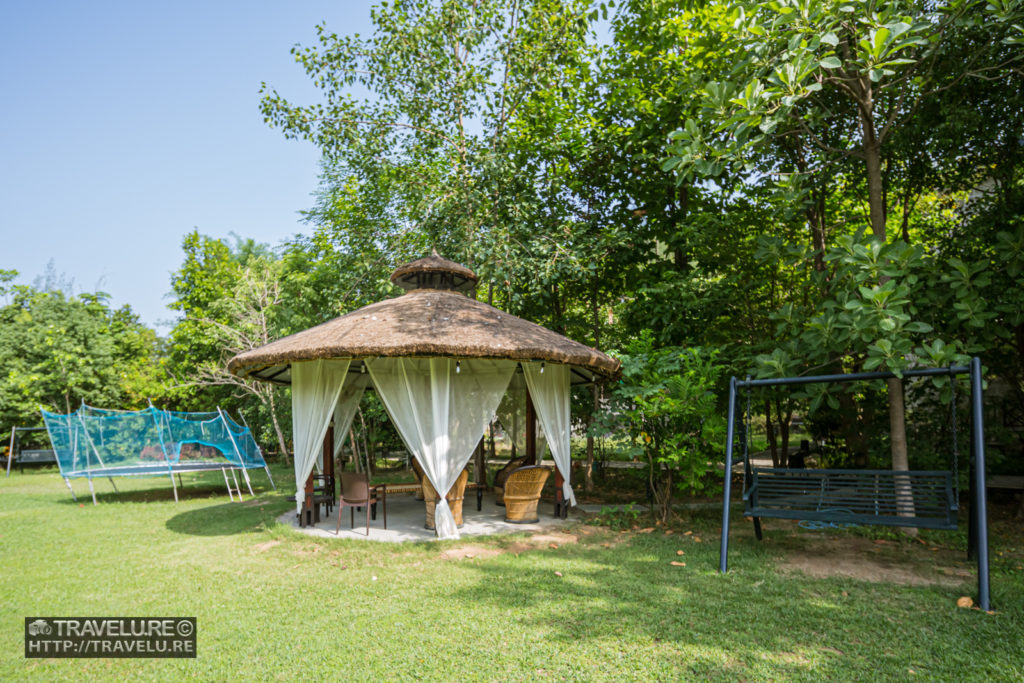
point(479, 464)
point(561, 507)
point(329, 464)
point(306, 516)
point(531, 431)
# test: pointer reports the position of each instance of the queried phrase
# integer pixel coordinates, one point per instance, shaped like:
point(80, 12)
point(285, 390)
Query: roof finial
point(433, 252)
point(434, 272)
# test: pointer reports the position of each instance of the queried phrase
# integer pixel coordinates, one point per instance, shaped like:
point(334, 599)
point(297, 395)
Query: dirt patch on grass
point(535, 542)
point(469, 552)
point(264, 547)
point(879, 562)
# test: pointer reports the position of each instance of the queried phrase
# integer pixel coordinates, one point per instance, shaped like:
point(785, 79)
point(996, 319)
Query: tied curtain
point(440, 408)
point(512, 416)
point(316, 386)
point(549, 388)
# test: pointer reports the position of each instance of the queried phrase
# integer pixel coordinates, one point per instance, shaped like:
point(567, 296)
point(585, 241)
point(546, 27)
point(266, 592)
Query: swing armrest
point(751, 492)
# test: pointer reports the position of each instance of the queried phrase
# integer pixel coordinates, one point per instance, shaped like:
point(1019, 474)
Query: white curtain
point(549, 388)
point(345, 409)
point(440, 414)
point(315, 388)
point(512, 415)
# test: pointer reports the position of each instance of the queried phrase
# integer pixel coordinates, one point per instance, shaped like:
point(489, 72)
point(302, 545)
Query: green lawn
point(274, 604)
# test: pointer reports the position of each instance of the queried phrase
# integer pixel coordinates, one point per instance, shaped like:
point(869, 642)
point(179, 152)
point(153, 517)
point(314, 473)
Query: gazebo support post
point(328, 450)
point(306, 515)
point(531, 432)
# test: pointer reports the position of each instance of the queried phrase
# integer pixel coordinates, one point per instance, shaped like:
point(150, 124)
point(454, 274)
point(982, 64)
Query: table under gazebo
point(440, 362)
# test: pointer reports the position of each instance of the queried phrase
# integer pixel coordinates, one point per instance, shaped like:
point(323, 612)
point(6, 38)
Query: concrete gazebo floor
point(406, 518)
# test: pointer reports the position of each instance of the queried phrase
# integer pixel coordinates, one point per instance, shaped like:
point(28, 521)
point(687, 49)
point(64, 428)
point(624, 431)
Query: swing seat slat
point(908, 498)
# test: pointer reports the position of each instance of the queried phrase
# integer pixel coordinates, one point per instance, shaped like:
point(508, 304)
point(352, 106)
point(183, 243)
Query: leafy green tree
point(60, 350)
point(241, 322)
point(230, 299)
point(666, 400)
point(818, 84)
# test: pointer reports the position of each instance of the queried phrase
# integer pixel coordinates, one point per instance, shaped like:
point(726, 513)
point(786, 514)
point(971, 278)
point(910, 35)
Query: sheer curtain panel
point(316, 385)
point(549, 388)
point(440, 407)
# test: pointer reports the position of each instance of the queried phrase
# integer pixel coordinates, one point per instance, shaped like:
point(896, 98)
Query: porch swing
point(927, 499)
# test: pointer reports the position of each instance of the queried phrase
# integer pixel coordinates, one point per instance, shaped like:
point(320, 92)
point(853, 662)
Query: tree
point(60, 350)
point(249, 313)
point(838, 80)
point(230, 298)
point(667, 401)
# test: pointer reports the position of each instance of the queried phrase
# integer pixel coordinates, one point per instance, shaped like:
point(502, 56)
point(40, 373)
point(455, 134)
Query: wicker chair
point(501, 475)
point(454, 497)
point(522, 493)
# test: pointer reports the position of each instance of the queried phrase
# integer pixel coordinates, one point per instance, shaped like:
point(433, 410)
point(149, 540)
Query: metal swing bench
point(910, 498)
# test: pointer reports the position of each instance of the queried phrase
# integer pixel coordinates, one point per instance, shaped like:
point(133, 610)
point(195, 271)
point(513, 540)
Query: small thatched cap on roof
point(434, 272)
point(427, 321)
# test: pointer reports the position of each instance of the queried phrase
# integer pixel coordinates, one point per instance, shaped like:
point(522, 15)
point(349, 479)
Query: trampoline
point(97, 442)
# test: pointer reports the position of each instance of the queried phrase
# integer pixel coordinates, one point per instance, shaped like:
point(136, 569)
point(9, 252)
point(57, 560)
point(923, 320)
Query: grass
point(274, 604)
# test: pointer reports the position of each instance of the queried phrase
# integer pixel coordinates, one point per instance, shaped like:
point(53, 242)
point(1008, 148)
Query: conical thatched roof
point(434, 272)
point(425, 322)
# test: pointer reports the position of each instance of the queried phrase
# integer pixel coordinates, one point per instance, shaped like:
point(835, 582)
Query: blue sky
point(125, 125)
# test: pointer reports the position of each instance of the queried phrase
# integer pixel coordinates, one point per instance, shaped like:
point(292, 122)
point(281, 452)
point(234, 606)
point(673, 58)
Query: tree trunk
point(898, 436)
point(277, 428)
point(354, 446)
point(783, 423)
point(873, 167)
point(371, 468)
point(854, 430)
point(876, 205)
point(588, 471)
point(769, 430)
point(589, 479)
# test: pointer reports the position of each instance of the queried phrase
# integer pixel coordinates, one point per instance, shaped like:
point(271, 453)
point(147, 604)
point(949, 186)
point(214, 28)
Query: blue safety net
point(101, 442)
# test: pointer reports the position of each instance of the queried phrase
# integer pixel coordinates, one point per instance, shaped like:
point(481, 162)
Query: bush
point(666, 404)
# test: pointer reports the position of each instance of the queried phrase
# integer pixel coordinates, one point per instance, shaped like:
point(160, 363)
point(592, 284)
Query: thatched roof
point(434, 272)
point(424, 322)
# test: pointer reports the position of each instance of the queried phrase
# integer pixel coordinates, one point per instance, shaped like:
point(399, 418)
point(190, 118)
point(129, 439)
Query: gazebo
point(440, 362)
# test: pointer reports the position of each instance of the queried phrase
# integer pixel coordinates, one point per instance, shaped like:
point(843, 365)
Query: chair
point(501, 475)
point(454, 498)
point(522, 493)
point(356, 492)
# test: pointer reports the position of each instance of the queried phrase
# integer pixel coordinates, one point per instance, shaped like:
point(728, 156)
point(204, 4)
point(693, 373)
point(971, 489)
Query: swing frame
point(774, 493)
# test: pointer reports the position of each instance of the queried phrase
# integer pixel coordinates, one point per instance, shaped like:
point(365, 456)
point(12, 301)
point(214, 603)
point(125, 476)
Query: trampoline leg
point(174, 486)
point(92, 491)
point(245, 475)
point(238, 489)
point(68, 482)
point(179, 480)
point(227, 484)
point(265, 467)
point(111, 480)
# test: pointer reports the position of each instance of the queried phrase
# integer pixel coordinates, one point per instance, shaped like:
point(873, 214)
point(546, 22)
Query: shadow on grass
point(226, 519)
point(149, 495)
point(746, 623)
point(194, 486)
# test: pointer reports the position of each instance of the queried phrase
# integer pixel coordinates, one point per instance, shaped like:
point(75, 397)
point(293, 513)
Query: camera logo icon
point(39, 627)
